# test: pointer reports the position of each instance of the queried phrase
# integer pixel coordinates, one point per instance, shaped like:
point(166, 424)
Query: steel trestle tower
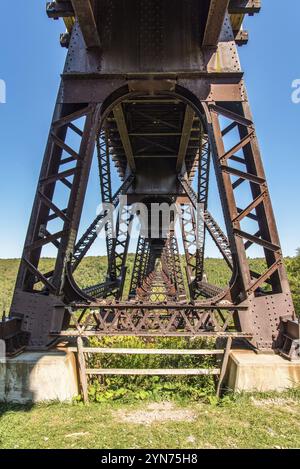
point(155, 88)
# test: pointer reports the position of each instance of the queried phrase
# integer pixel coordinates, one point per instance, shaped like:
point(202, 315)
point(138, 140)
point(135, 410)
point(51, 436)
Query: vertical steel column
point(176, 265)
point(138, 266)
point(203, 186)
point(265, 306)
point(105, 186)
point(117, 262)
point(41, 312)
point(90, 235)
point(45, 210)
point(189, 238)
point(77, 195)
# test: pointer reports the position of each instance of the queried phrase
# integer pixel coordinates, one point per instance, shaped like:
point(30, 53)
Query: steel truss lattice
point(161, 120)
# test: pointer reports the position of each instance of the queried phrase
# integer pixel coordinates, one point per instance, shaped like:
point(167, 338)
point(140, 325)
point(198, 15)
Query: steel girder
point(274, 272)
point(58, 154)
point(173, 252)
point(238, 293)
point(105, 184)
point(232, 171)
point(203, 186)
point(53, 177)
point(90, 235)
point(154, 102)
point(153, 319)
point(190, 241)
point(205, 217)
point(139, 266)
point(117, 261)
point(193, 220)
point(163, 280)
point(102, 290)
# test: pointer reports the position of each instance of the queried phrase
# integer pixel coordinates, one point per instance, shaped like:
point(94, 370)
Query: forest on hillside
point(92, 270)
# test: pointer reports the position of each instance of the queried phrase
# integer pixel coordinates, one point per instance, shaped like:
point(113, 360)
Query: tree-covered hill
point(92, 271)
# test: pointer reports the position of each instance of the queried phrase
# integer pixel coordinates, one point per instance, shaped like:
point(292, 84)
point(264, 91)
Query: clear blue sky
point(32, 60)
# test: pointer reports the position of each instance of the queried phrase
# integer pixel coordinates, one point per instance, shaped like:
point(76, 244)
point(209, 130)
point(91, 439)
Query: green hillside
point(92, 270)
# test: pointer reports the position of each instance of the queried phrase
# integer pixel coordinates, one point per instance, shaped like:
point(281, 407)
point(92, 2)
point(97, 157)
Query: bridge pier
point(53, 376)
point(38, 377)
point(158, 119)
point(252, 372)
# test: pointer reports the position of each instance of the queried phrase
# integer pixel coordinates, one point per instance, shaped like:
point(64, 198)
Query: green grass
point(270, 421)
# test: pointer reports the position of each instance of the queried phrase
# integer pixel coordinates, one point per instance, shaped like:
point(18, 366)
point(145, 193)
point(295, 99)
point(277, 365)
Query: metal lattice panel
point(160, 79)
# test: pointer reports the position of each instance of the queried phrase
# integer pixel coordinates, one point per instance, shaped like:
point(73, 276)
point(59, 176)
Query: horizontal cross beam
point(122, 128)
point(57, 9)
point(241, 37)
point(185, 137)
point(171, 306)
point(244, 7)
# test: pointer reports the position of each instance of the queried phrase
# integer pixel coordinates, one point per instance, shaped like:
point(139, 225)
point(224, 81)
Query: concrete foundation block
point(250, 372)
point(38, 377)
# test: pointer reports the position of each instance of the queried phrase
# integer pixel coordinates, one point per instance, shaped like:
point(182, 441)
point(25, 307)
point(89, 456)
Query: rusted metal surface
point(215, 19)
point(244, 6)
point(146, 318)
point(85, 14)
point(289, 346)
point(140, 87)
point(11, 333)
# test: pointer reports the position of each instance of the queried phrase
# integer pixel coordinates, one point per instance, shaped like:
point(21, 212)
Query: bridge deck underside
point(154, 129)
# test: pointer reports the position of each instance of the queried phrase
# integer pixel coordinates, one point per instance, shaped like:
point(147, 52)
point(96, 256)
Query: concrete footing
point(37, 377)
point(250, 372)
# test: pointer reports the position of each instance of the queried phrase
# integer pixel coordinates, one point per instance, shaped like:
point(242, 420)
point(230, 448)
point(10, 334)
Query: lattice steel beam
point(105, 185)
point(90, 235)
point(101, 290)
point(117, 263)
point(139, 266)
point(45, 210)
point(212, 226)
point(176, 265)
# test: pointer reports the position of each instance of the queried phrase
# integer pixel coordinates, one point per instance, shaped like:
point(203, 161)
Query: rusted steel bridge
point(154, 88)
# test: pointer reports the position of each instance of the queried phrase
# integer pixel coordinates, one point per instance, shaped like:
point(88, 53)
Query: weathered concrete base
point(37, 377)
point(248, 371)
